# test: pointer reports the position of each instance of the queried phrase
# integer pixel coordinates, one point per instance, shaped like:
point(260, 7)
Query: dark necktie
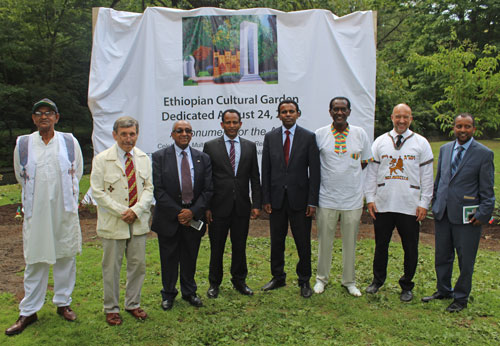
point(132, 186)
point(187, 186)
point(232, 156)
point(399, 141)
point(457, 159)
point(286, 147)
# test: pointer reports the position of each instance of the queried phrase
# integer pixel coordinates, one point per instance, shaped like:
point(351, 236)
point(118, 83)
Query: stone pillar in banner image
point(249, 52)
point(189, 67)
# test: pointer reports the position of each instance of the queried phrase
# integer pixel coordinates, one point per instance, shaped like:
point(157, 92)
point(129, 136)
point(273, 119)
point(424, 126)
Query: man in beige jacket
point(122, 187)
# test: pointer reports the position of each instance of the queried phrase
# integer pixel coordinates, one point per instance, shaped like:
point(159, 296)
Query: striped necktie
point(457, 159)
point(132, 186)
point(232, 156)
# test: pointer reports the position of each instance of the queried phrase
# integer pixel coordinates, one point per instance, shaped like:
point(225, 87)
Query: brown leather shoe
point(67, 313)
point(113, 319)
point(138, 313)
point(21, 323)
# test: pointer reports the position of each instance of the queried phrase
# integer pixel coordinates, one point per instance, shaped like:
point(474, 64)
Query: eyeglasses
point(179, 131)
point(49, 113)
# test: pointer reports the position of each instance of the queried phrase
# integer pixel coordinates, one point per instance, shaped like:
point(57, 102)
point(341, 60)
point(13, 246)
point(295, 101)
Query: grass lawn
point(279, 317)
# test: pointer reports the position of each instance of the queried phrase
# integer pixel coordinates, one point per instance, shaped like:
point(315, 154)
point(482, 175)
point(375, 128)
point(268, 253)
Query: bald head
point(401, 118)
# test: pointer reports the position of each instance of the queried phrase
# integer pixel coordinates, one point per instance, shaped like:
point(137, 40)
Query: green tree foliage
point(470, 81)
point(45, 48)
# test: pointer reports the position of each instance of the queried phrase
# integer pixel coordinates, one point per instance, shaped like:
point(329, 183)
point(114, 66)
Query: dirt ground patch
point(11, 242)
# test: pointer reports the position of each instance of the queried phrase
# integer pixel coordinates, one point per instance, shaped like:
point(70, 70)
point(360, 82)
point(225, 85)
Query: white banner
point(166, 65)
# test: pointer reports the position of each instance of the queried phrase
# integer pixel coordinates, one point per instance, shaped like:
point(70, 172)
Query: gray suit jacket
point(472, 183)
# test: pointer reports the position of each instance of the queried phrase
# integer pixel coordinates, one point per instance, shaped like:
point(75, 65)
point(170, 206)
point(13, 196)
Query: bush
point(228, 78)
point(267, 76)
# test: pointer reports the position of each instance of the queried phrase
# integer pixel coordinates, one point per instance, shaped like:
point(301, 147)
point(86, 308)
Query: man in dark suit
point(234, 166)
point(182, 178)
point(465, 177)
point(290, 189)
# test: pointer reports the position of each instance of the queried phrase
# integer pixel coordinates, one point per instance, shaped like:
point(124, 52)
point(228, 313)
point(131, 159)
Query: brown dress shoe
point(67, 313)
point(21, 323)
point(113, 319)
point(138, 313)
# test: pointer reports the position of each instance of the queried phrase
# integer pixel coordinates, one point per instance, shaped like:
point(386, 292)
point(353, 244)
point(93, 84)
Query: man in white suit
point(121, 181)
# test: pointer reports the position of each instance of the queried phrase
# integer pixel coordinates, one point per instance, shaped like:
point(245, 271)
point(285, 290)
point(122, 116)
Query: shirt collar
point(178, 150)
point(227, 139)
point(291, 129)
point(121, 152)
point(466, 145)
point(406, 134)
point(336, 133)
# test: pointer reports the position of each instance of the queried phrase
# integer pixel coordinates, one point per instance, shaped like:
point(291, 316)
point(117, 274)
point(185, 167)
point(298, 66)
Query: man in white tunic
point(48, 165)
point(398, 191)
point(344, 151)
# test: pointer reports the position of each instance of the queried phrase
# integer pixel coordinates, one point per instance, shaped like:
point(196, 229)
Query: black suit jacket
point(167, 191)
point(472, 183)
point(229, 188)
point(300, 179)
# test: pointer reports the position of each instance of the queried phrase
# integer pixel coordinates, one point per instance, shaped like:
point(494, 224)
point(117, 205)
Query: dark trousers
point(408, 229)
point(217, 232)
point(465, 240)
point(301, 231)
point(179, 251)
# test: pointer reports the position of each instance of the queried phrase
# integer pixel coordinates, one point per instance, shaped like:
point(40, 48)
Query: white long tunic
point(51, 232)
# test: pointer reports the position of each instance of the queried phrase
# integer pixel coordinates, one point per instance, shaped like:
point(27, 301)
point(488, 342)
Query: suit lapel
point(222, 149)
point(243, 154)
point(279, 144)
point(295, 144)
point(195, 156)
point(468, 154)
point(117, 160)
point(171, 163)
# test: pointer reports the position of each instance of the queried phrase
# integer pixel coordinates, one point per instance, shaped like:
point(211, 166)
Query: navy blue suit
point(472, 184)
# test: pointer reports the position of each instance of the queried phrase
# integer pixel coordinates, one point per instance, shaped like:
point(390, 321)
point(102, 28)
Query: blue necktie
point(456, 161)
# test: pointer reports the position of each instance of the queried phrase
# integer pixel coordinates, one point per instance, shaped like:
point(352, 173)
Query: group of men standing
point(304, 174)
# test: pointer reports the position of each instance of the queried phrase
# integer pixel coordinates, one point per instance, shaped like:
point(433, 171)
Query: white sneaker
point(319, 287)
point(353, 291)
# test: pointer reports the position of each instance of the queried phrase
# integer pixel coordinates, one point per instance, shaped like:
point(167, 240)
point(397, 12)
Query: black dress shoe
point(213, 292)
point(243, 289)
point(194, 300)
point(21, 323)
point(435, 295)
point(373, 288)
point(456, 306)
point(273, 284)
point(167, 304)
point(305, 290)
point(406, 296)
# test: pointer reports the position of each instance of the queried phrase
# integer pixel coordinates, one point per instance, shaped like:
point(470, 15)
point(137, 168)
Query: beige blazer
point(110, 191)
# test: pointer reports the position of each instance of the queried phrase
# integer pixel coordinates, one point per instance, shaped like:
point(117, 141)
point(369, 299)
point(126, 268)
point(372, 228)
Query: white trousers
point(326, 221)
point(36, 278)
